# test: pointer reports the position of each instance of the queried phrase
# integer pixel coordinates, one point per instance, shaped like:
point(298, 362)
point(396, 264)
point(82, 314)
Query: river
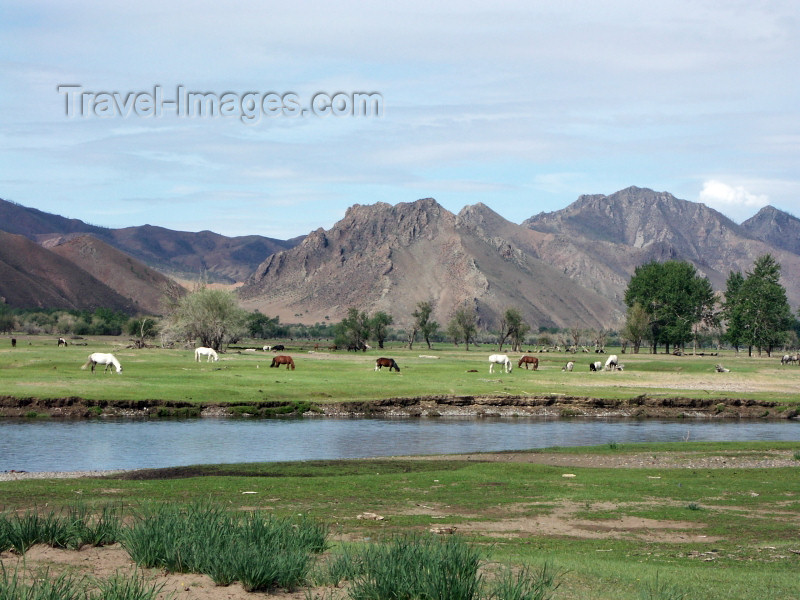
point(101, 444)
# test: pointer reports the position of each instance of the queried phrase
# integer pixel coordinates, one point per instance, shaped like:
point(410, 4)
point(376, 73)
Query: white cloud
point(734, 201)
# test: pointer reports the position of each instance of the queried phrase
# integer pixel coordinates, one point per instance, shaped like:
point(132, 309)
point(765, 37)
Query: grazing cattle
point(62, 342)
point(612, 362)
point(596, 366)
point(99, 358)
point(278, 348)
point(386, 362)
point(788, 359)
point(528, 360)
point(499, 359)
point(282, 359)
point(209, 353)
point(569, 366)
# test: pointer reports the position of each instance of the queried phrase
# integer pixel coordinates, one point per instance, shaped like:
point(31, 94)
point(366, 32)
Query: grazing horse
point(62, 342)
point(386, 362)
point(528, 360)
point(99, 358)
point(278, 348)
point(596, 366)
point(282, 359)
point(612, 362)
point(790, 358)
point(499, 359)
point(569, 366)
point(267, 348)
point(209, 353)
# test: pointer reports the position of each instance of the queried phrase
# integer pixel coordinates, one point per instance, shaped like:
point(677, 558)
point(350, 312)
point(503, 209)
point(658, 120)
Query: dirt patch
point(744, 459)
point(103, 563)
point(561, 522)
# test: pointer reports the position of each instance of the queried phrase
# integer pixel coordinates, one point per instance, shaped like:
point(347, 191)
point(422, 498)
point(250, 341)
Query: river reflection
point(131, 444)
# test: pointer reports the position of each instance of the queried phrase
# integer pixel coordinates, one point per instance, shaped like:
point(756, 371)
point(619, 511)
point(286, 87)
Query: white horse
point(99, 358)
point(267, 348)
point(612, 362)
point(209, 353)
point(499, 359)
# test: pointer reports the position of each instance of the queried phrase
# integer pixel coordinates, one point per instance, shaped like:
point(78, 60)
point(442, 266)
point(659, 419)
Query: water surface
point(101, 444)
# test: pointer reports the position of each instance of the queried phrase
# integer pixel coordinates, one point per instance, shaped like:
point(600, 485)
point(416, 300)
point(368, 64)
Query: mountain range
point(560, 269)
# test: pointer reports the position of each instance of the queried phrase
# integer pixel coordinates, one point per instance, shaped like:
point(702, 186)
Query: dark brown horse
point(528, 360)
point(386, 362)
point(282, 359)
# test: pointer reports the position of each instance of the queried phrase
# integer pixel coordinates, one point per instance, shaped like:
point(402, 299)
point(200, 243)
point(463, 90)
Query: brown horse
point(282, 359)
point(529, 360)
point(386, 362)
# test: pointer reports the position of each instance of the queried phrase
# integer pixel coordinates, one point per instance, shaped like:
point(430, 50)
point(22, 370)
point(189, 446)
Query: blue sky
point(523, 106)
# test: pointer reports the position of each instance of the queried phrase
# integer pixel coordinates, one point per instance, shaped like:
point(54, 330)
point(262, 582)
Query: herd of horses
point(211, 355)
point(530, 362)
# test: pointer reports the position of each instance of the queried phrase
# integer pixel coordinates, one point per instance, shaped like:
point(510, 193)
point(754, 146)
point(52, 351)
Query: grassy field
point(610, 533)
point(37, 368)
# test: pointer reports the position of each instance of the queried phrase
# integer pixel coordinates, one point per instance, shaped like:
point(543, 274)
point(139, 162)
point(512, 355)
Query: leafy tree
point(379, 325)
point(762, 310)
point(464, 324)
point(674, 297)
point(513, 327)
point(143, 328)
point(353, 330)
point(264, 327)
point(732, 310)
point(423, 322)
point(7, 320)
point(212, 316)
point(637, 326)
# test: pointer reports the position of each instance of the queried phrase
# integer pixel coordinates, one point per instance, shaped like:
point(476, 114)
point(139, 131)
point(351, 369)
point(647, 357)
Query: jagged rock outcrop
point(775, 227)
point(384, 257)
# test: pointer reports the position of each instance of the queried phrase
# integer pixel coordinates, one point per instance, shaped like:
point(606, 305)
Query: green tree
point(674, 297)
point(513, 327)
point(732, 310)
point(211, 316)
point(264, 327)
point(353, 330)
point(763, 310)
point(423, 323)
point(379, 326)
point(143, 328)
point(7, 320)
point(464, 324)
point(637, 326)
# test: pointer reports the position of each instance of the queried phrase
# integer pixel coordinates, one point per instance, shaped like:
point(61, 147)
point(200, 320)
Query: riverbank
point(551, 406)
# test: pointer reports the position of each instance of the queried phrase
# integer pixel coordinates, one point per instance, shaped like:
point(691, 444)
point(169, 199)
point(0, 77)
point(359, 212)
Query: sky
point(272, 118)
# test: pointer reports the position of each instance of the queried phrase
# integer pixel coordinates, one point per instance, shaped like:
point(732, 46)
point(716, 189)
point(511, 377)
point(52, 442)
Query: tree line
point(668, 304)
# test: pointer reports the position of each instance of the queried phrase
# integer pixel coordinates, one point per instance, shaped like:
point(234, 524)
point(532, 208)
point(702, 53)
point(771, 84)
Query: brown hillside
point(383, 257)
point(32, 276)
point(775, 227)
point(190, 255)
point(122, 273)
point(635, 226)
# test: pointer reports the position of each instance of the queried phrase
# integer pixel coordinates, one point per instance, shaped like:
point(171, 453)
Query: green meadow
point(37, 368)
point(605, 532)
point(608, 533)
